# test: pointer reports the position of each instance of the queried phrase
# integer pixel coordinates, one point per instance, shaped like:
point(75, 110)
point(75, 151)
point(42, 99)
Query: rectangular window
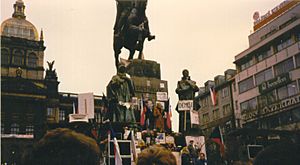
point(267, 99)
point(50, 112)
point(225, 92)
point(205, 118)
point(284, 43)
point(246, 84)
point(298, 60)
point(247, 64)
point(29, 130)
point(248, 105)
point(284, 67)
point(216, 114)
point(226, 110)
point(287, 91)
point(263, 76)
point(2, 128)
point(264, 54)
point(98, 117)
point(14, 129)
point(62, 115)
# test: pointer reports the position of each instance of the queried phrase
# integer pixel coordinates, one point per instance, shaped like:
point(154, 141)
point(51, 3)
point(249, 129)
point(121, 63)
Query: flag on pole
point(134, 153)
point(169, 116)
point(118, 159)
point(213, 96)
point(143, 111)
point(216, 136)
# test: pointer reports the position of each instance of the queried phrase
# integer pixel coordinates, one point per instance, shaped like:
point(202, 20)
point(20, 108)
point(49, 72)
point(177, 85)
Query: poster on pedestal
point(185, 105)
point(194, 117)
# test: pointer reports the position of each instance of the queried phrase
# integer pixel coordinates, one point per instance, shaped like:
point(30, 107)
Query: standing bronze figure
point(120, 91)
point(186, 89)
point(131, 28)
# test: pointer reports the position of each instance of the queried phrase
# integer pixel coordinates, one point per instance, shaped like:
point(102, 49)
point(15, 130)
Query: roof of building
point(18, 26)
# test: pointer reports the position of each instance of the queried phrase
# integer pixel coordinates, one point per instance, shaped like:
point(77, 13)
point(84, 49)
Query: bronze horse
point(133, 33)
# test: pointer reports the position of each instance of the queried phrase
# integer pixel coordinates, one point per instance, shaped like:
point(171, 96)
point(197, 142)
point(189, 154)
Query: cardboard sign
point(199, 143)
point(162, 96)
point(194, 117)
point(86, 104)
point(185, 105)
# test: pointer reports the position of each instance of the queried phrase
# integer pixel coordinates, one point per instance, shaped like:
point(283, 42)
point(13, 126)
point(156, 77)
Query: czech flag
point(213, 96)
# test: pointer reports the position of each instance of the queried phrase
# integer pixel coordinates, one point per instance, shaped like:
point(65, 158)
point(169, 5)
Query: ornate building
point(23, 88)
point(30, 101)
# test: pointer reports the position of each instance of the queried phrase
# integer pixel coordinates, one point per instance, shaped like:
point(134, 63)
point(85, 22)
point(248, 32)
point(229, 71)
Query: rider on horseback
point(127, 10)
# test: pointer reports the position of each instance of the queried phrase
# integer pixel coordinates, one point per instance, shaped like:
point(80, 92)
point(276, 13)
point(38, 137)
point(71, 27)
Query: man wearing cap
point(120, 90)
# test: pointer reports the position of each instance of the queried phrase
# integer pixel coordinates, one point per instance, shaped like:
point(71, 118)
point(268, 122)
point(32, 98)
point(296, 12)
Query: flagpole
point(184, 123)
point(221, 135)
point(74, 111)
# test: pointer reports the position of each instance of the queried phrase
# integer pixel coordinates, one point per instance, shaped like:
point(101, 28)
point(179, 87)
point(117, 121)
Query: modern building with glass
point(267, 94)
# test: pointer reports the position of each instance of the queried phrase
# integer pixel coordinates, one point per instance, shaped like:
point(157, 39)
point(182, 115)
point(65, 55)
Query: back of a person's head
point(63, 146)
point(283, 153)
point(156, 155)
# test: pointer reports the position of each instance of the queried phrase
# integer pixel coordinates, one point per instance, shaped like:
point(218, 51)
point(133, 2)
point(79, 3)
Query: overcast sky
point(202, 36)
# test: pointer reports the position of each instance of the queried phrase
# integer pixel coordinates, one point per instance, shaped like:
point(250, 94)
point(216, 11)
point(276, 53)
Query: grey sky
point(201, 36)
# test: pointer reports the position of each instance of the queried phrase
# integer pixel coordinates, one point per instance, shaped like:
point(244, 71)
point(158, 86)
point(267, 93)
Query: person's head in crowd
point(202, 155)
point(63, 146)
point(282, 153)
point(156, 155)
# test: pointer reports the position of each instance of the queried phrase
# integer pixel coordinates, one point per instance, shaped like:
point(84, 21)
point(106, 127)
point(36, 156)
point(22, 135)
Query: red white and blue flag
point(169, 115)
point(143, 112)
point(213, 95)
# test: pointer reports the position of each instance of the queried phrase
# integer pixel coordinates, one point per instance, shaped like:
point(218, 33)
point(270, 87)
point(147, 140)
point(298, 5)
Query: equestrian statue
point(131, 28)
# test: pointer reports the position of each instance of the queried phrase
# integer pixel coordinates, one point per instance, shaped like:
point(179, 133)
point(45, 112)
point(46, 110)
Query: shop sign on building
point(279, 106)
point(185, 105)
point(274, 83)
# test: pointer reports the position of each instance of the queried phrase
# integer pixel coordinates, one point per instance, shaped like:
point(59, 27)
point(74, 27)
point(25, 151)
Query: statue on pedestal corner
point(120, 90)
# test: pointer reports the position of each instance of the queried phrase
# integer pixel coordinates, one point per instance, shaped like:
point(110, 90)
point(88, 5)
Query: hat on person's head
point(121, 67)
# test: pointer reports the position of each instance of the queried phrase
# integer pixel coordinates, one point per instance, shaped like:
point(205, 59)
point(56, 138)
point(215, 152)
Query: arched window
point(14, 128)
point(18, 58)
point(4, 56)
point(32, 60)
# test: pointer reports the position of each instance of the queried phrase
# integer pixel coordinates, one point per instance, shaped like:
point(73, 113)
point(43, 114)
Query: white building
point(267, 84)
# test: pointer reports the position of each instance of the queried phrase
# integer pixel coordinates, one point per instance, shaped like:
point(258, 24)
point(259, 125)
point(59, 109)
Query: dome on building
point(18, 26)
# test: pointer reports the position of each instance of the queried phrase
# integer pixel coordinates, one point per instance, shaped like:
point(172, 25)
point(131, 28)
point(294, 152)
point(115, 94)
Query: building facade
point(268, 72)
point(30, 101)
point(220, 114)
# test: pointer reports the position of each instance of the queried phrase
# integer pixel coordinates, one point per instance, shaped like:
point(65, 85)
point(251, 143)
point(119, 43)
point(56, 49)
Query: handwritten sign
point(185, 105)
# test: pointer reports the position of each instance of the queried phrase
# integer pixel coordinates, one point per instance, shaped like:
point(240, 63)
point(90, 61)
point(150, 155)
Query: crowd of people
point(63, 146)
